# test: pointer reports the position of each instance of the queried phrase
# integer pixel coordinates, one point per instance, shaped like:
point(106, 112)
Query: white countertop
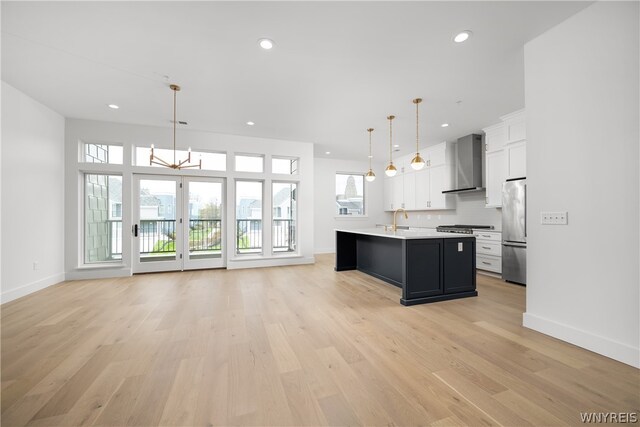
point(406, 234)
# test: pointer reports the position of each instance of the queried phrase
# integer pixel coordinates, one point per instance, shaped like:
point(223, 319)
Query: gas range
point(462, 229)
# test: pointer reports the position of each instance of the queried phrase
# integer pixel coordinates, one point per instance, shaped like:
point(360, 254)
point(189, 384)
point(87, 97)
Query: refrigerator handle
point(525, 210)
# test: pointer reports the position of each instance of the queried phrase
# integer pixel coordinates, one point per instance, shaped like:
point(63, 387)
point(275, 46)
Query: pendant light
point(183, 164)
point(370, 176)
point(391, 169)
point(417, 162)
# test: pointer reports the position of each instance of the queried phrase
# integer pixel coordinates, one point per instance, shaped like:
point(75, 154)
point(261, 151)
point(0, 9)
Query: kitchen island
point(427, 265)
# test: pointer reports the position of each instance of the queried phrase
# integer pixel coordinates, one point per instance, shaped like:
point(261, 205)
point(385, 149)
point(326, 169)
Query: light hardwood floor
point(297, 345)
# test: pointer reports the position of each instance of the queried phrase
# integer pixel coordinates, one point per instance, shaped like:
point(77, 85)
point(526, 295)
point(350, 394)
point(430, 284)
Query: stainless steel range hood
point(468, 164)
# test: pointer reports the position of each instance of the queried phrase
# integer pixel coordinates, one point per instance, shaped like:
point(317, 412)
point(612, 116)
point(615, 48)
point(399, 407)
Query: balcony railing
point(284, 235)
point(248, 236)
point(157, 236)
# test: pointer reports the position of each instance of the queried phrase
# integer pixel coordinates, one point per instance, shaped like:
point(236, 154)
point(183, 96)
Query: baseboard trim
point(270, 262)
point(613, 349)
point(30, 288)
point(325, 251)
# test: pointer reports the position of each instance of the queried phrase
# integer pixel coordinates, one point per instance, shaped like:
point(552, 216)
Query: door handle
point(486, 247)
point(135, 230)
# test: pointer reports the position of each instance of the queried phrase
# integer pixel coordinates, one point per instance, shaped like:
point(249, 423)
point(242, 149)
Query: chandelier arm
point(159, 161)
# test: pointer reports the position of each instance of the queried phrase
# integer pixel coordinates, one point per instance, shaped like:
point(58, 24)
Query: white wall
point(581, 84)
point(326, 219)
point(129, 136)
point(32, 195)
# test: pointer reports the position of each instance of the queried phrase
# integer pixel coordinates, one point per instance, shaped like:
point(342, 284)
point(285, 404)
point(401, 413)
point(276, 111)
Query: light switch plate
point(460, 246)
point(554, 218)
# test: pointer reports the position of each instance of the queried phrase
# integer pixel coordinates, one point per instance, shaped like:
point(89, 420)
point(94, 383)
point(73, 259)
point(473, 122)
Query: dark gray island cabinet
point(427, 265)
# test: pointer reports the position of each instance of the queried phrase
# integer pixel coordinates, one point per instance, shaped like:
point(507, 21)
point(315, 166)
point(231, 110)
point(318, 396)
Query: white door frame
point(181, 260)
point(163, 264)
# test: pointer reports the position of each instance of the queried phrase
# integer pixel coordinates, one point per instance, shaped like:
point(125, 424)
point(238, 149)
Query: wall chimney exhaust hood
point(468, 164)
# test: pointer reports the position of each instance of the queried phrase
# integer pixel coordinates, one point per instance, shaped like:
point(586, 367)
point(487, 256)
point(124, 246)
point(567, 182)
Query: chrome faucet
point(395, 224)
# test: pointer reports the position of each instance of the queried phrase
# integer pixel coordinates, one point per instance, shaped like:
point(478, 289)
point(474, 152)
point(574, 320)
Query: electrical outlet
point(35, 265)
point(554, 218)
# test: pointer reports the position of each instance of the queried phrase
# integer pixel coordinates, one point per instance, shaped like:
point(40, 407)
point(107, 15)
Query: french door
point(178, 223)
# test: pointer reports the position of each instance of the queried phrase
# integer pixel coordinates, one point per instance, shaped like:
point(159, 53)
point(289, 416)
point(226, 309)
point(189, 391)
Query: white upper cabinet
point(388, 194)
point(517, 160)
point(409, 190)
point(495, 137)
point(496, 174)
point(423, 187)
point(422, 190)
point(515, 126)
point(506, 154)
point(398, 190)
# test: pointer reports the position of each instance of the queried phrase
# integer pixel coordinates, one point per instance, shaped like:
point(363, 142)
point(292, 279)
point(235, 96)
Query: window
point(349, 194)
point(103, 153)
point(249, 163)
point(285, 196)
point(102, 228)
point(248, 217)
point(116, 211)
point(285, 166)
point(210, 161)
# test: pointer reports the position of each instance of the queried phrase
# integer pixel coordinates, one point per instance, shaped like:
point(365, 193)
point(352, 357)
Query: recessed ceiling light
point(327, 152)
point(266, 43)
point(250, 123)
point(462, 36)
point(444, 125)
point(396, 146)
point(113, 106)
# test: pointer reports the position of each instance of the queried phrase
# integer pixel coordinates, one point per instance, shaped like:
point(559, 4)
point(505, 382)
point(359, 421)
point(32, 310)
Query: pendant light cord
point(174, 126)
point(417, 144)
point(370, 130)
point(390, 138)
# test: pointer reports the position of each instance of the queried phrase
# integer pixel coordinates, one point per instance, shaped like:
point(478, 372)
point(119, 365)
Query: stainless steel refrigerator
point(514, 231)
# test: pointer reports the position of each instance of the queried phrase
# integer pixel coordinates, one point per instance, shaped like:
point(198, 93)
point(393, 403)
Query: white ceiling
point(337, 67)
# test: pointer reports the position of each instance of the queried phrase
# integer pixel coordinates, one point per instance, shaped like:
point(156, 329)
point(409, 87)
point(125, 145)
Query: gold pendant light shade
point(370, 176)
point(417, 162)
point(391, 169)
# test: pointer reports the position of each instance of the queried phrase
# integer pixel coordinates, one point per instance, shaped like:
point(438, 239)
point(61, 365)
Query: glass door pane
point(158, 240)
point(204, 211)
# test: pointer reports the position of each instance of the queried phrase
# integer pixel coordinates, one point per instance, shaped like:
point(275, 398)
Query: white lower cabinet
point(488, 250)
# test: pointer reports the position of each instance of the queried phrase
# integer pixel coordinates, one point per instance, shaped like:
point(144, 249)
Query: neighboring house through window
point(350, 195)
